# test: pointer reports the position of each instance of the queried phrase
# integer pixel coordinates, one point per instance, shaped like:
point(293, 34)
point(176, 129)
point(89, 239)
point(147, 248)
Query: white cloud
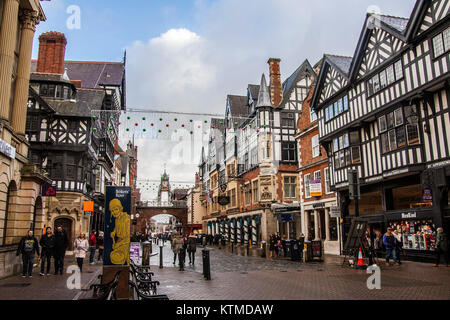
point(183, 70)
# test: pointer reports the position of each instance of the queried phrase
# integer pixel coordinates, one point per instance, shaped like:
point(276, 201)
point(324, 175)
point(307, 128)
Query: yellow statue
point(121, 248)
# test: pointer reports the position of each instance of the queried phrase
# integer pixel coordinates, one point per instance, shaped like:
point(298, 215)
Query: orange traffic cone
point(360, 264)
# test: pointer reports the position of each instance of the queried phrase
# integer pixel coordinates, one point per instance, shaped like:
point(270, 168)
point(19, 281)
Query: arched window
point(36, 212)
point(11, 197)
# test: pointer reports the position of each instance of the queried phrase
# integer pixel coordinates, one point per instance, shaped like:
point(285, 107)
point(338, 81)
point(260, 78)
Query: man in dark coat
point(27, 247)
point(48, 245)
point(61, 242)
point(441, 246)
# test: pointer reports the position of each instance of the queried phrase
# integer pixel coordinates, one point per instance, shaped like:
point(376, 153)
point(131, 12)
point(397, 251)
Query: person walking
point(279, 246)
point(272, 244)
point(285, 246)
point(177, 243)
point(92, 246)
point(399, 245)
point(61, 242)
point(182, 253)
point(191, 248)
point(390, 243)
point(48, 245)
point(81, 247)
point(441, 247)
point(28, 246)
point(100, 244)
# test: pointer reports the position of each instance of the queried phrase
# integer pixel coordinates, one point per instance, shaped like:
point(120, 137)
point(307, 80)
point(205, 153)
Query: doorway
point(66, 224)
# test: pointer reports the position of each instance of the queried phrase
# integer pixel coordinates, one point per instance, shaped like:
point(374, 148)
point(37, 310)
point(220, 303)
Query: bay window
point(346, 149)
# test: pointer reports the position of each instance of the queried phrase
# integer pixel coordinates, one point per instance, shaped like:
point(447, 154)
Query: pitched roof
point(179, 194)
point(397, 23)
point(86, 101)
point(238, 108)
point(343, 63)
point(293, 78)
point(254, 91)
point(93, 74)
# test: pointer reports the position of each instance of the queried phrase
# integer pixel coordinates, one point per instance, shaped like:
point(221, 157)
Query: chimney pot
point(276, 90)
point(52, 50)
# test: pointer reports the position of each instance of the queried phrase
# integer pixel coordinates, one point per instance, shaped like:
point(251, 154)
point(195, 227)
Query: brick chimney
point(276, 90)
point(52, 49)
point(197, 180)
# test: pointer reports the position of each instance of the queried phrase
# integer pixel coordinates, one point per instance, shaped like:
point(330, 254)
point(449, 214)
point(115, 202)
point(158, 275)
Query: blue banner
point(117, 226)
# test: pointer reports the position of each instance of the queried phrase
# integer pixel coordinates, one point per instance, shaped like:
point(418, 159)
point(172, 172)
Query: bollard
point(248, 249)
point(206, 264)
point(160, 257)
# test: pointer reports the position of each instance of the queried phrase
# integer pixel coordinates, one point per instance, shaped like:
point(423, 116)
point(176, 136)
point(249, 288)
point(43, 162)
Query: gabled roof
point(93, 75)
point(254, 91)
point(42, 102)
point(397, 23)
point(238, 108)
point(290, 82)
point(340, 63)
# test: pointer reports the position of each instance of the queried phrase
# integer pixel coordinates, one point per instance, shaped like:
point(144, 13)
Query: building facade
point(21, 206)
point(384, 121)
point(249, 171)
point(317, 198)
point(72, 127)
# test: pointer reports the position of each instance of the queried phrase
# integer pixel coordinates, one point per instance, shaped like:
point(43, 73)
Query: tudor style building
point(72, 127)
point(385, 114)
point(252, 160)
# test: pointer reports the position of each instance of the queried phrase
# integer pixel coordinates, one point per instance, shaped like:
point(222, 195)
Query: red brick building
point(316, 195)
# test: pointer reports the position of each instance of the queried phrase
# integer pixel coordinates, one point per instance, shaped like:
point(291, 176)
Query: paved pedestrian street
point(237, 277)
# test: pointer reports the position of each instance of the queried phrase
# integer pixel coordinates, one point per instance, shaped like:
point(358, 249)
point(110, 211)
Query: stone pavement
point(236, 277)
point(53, 287)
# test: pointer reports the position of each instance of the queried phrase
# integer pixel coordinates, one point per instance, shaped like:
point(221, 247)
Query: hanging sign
point(48, 191)
point(88, 208)
point(315, 188)
point(427, 195)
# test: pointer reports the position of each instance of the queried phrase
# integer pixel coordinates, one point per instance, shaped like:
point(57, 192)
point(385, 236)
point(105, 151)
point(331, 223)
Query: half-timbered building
point(72, 126)
point(384, 115)
point(259, 176)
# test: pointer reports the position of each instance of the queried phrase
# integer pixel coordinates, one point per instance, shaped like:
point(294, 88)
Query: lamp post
point(161, 255)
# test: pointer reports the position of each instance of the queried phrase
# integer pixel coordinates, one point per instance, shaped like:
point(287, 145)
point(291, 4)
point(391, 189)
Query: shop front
point(322, 223)
point(288, 220)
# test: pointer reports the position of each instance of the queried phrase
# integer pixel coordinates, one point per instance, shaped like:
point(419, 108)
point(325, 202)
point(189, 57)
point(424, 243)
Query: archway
point(37, 212)
point(8, 220)
point(146, 213)
point(66, 224)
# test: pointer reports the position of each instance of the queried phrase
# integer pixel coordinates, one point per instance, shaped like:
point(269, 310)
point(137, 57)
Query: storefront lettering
point(409, 215)
point(439, 164)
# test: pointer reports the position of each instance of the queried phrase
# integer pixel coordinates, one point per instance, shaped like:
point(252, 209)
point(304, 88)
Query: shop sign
point(286, 209)
point(316, 247)
point(88, 208)
point(409, 215)
point(135, 252)
point(427, 195)
point(439, 164)
point(315, 188)
point(7, 149)
point(286, 217)
point(318, 205)
point(223, 200)
point(335, 212)
point(395, 172)
point(48, 191)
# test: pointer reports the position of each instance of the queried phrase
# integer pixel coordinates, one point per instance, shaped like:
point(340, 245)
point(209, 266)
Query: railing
point(156, 203)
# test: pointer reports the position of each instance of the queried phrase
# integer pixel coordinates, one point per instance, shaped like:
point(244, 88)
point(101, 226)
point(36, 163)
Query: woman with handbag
point(81, 246)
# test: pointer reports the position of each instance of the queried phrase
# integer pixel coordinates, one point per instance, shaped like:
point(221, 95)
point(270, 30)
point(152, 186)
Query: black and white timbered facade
point(385, 114)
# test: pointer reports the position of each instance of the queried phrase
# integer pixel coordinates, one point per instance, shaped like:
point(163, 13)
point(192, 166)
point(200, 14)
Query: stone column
point(29, 20)
point(317, 225)
point(327, 223)
point(307, 222)
point(8, 35)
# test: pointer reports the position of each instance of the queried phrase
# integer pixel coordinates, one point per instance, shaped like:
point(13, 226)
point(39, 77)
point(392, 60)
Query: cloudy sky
point(186, 56)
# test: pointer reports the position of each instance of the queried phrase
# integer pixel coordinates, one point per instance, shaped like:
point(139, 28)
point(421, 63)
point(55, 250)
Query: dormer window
point(59, 91)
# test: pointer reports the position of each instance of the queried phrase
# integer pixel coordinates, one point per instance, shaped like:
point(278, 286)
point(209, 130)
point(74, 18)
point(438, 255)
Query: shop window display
point(417, 234)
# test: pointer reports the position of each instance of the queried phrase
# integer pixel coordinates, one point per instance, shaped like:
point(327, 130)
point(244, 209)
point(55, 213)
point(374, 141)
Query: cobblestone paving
point(238, 277)
point(52, 287)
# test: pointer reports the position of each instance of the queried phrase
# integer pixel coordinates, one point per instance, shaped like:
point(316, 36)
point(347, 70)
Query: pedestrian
point(81, 246)
point(92, 246)
point(272, 244)
point(28, 246)
point(441, 247)
point(390, 243)
point(182, 253)
point(61, 242)
point(285, 247)
point(177, 243)
point(191, 248)
point(48, 245)
point(399, 242)
point(279, 247)
point(100, 244)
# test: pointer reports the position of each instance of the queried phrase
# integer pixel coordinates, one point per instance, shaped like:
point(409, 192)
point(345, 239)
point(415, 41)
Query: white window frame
point(307, 179)
point(327, 180)
point(315, 147)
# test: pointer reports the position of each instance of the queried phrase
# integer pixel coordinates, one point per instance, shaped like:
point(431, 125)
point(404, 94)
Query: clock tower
point(164, 189)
